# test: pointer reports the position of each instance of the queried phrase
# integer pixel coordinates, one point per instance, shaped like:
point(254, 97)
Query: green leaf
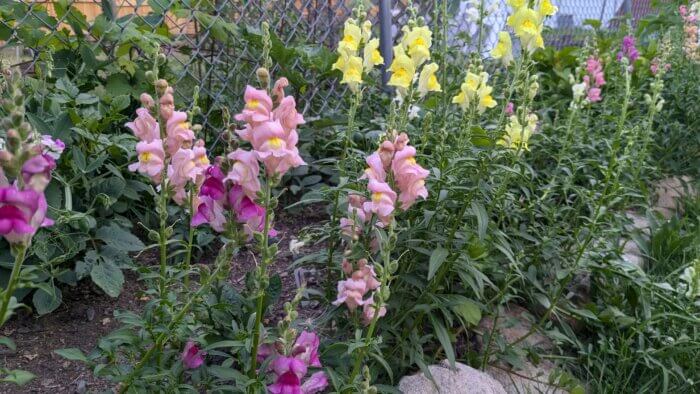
point(109, 277)
point(444, 337)
point(18, 377)
point(86, 99)
point(8, 342)
point(482, 219)
point(469, 311)
point(72, 353)
point(47, 299)
point(117, 237)
point(225, 373)
point(436, 259)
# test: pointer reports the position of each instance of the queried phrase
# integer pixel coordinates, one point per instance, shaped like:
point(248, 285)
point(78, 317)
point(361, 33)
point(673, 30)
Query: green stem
point(596, 215)
point(386, 257)
point(265, 258)
point(162, 240)
point(223, 260)
point(190, 239)
point(14, 276)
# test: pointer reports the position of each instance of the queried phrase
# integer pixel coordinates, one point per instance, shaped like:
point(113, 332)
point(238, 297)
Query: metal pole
point(385, 39)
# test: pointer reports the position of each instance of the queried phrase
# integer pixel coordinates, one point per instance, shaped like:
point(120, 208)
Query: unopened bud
point(263, 76)
point(17, 118)
point(197, 128)
point(150, 77)
point(160, 59)
point(5, 158)
point(146, 100)
point(161, 86)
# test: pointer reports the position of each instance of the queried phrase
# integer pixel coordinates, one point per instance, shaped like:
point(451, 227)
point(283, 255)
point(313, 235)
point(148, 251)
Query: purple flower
point(629, 50)
point(22, 212)
point(192, 357)
point(52, 147)
point(213, 185)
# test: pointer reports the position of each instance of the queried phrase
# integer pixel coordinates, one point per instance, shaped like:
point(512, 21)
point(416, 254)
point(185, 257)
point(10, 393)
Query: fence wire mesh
point(203, 40)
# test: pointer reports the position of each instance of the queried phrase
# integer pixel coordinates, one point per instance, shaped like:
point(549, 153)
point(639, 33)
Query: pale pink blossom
point(258, 106)
point(52, 147)
point(192, 357)
point(145, 127)
point(278, 89)
point(382, 201)
point(351, 292)
point(183, 168)
point(151, 159)
point(510, 109)
point(316, 383)
point(409, 177)
point(365, 272)
point(286, 113)
point(147, 100)
point(386, 153)
point(368, 311)
point(36, 172)
point(401, 141)
point(375, 169)
point(245, 171)
point(275, 148)
point(178, 133)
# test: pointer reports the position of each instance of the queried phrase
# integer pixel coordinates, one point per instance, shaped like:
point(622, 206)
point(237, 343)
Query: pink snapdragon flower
point(209, 211)
point(248, 212)
point(286, 113)
point(365, 272)
point(151, 159)
point(22, 212)
point(368, 311)
point(36, 172)
point(278, 89)
point(52, 147)
point(192, 357)
point(276, 148)
point(289, 371)
point(306, 349)
point(409, 176)
point(201, 160)
point(145, 127)
point(594, 79)
point(376, 170)
point(183, 168)
point(351, 293)
point(510, 108)
point(245, 171)
point(213, 185)
point(178, 133)
point(382, 201)
point(258, 107)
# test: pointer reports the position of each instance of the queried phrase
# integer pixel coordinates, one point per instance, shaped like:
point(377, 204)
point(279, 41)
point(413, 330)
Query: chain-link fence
point(211, 43)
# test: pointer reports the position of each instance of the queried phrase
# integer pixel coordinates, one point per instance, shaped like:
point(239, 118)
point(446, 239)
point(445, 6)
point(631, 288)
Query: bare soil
point(88, 314)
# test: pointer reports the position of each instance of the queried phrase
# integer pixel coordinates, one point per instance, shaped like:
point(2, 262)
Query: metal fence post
point(385, 39)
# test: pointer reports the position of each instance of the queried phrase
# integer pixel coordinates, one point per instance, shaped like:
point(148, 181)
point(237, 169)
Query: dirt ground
point(87, 314)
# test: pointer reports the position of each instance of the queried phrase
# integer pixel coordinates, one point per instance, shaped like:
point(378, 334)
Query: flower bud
point(150, 77)
point(161, 86)
point(263, 76)
point(146, 100)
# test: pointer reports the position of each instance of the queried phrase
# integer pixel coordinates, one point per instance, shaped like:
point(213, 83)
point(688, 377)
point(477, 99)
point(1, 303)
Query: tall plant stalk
point(20, 253)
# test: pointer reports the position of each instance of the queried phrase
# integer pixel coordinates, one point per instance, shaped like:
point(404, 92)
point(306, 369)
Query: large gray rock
point(460, 380)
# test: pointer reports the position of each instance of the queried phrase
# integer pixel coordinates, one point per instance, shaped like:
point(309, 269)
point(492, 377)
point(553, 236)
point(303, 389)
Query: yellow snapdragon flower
point(352, 36)
point(372, 56)
point(528, 26)
point(351, 67)
point(485, 99)
point(517, 135)
point(366, 31)
point(503, 49)
point(417, 42)
point(546, 8)
point(517, 3)
point(427, 81)
point(402, 69)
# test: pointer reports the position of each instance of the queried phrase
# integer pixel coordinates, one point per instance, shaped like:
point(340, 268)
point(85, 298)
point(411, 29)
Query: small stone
point(106, 321)
point(90, 314)
point(668, 193)
point(81, 387)
point(459, 380)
